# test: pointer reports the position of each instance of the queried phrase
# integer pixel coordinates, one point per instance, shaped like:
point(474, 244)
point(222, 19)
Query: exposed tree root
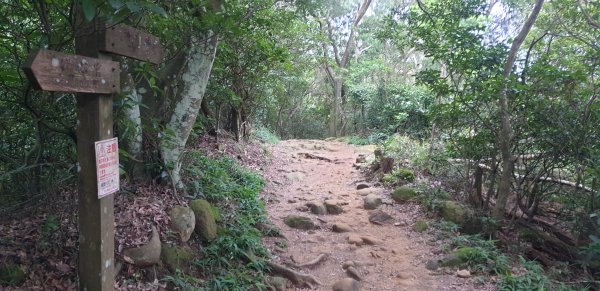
point(311, 156)
point(317, 260)
point(297, 278)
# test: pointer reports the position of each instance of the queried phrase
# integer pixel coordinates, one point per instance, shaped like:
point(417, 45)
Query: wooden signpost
point(127, 41)
point(94, 77)
point(54, 71)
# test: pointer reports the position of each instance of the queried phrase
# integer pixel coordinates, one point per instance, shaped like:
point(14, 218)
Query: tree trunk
point(476, 194)
point(335, 115)
point(505, 137)
point(132, 141)
point(194, 79)
point(206, 109)
point(235, 123)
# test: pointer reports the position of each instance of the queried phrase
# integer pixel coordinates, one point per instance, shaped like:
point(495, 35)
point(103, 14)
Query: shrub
point(264, 135)
point(398, 176)
point(431, 199)
point(403, 148)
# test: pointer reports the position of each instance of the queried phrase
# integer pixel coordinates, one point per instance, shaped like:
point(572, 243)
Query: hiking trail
point(312, 177)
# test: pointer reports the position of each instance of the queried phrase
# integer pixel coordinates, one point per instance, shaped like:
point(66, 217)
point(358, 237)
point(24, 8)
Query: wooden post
point(96, 216)
point(94, 77)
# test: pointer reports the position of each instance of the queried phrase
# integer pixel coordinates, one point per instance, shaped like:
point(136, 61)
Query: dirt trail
point(315, 170)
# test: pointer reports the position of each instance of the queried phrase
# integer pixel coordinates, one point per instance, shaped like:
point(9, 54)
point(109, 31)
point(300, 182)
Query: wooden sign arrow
point(127, 41)
point(53, 71)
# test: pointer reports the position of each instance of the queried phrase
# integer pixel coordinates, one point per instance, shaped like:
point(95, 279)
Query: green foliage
point(398, 176)
point(357, 140)
point(265, 135)
point(235, 191)
point(396, 108)
point(550, 94)
point(480, 254)
point(11, 275)
point(183, 281)
point(421, 226)
point(117, 10)
point(431, 198)
point(532, 279)
point(446, 226)
point(591, 252)
point(404, 148)
point(50, 226)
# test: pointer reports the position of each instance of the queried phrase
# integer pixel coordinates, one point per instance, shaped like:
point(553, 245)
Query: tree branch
point(336, 53)
point(350, 43)
point(590, 21)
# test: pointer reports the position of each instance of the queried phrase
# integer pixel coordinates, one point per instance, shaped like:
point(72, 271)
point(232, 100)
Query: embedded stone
point(341, 227)
point(346, 284)
point(371, 202)
point(145, 255)
point(299, 222)
point(183, 222)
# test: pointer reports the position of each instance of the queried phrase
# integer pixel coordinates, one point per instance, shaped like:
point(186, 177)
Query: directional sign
point(127, 41)
point(53, 71)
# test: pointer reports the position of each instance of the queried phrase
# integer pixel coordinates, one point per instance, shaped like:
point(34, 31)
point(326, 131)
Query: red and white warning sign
point(107, 166)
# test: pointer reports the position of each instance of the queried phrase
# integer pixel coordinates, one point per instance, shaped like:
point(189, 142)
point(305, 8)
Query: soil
point(314, 170)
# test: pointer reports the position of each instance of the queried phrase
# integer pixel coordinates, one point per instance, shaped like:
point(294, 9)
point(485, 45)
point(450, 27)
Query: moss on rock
point(216, 213)
point(404, 194)
point(176, 258)
point(205, 220)
point(455, 212)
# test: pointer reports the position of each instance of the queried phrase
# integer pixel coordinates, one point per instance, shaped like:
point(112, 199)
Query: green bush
point(431, 199)
point(394, 107)
point(398, 176)
point(403, 148)
point(264, 135)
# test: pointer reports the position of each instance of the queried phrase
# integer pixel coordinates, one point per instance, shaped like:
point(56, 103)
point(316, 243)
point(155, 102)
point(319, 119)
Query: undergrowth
point(482, 256)
point(265, 135)
point(357, 140)
point(234, 190)
point(404, 148)
point(532, 278)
